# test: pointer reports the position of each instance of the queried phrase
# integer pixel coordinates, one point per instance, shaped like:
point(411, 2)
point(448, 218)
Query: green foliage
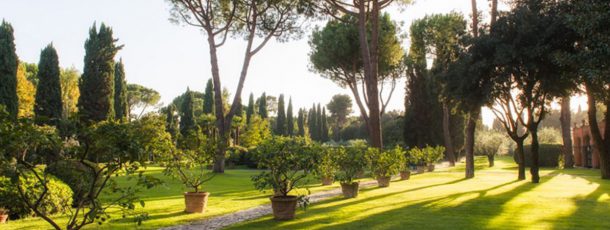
point(548, 155)
point(187, 116)
point(97, 82)
point(384, 163)
point(208, 98)
point(171, 121)
point(77, 175)
point(48, 104)
point(262, 106)
point(121, 108)
point(339, 107)
point(301, 123)
point(257, 131)
point(69, 91)
point(426, 155)
point(487, 143)
point(57, 199)
point(189, 163)
point(351, 161)
point(547, 135)
point(327, 161)
point(280, 122)
point(8, 69)
point(324, 136)
point(250, 109)
point(289, 119)
point(288, 160)
point(142, 97)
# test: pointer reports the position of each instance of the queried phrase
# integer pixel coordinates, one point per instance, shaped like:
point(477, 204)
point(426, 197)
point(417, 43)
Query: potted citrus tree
point(383, 164)
point(288, 162)
point(351, 163)
point(3, 215)
point(189, 165)
point(432, 155)
point(326, 164)
point(418, 158)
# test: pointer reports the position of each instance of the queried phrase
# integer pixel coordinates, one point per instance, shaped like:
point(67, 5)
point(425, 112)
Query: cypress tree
point(8, 70)
point(313, 123)
point(171, 121)
point(187, 118)
point(280, 124)
point(120, 92)
point(324, 126)
point(96, 101)
point(289, 119)
point(262, 106)
point(319, 122)
point(208, 98)
point(301, 122)
point(48, 104)
point(250, 110)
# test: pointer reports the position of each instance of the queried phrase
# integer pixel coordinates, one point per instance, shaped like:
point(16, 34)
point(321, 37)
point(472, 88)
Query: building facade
point(585, 154)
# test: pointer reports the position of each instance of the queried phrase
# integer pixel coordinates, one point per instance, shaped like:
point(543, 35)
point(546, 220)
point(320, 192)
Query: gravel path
point(254, 213)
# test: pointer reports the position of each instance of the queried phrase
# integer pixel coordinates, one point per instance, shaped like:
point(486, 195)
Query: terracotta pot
point(350, 190)
point(195, 202)
point(405, 175)
point(284, 207)
point(431, 168)
point(383, 181)
point(3, 218)
point(327, 180)
point(421, 169)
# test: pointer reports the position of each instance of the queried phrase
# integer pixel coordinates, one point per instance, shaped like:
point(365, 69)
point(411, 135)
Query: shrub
point(57, 200)
point(384, 163)
point(76, 175)
point(548, 155)
point(189, 164)
point(351, 162)
point(416, 156)
point(326, 162)
point(433, 154)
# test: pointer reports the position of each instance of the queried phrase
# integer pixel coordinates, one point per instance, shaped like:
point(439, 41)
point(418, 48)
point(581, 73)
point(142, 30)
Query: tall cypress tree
point(289, 119)
point(301, 122)
point(280, 122)
point(262, 106)
point(319, 122)
point(208, 98)
point(120, 92)
point(187, 118)
point(171, 121)
point(250, 110)
point(8, 70)
point(324, 127)
point(313, 123)
point(48, 104)
point(96, 101)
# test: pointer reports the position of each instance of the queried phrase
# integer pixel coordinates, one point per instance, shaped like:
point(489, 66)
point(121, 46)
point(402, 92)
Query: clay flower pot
point(350, 190)
point(284, 207)
point(421, 169)
point(383, 181)
point(431, 168)
point(405, 175)
point(327, 180)
point(195, 202)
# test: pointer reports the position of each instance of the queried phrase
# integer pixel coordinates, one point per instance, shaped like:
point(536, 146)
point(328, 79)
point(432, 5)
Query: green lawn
point(230, 192)
point(565, 199)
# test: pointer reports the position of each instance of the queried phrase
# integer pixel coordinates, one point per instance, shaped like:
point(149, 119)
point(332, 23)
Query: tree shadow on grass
point(594, 204)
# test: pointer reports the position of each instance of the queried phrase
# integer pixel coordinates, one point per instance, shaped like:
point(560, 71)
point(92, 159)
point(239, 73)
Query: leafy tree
point(257, 130)
point(48, 93)
point(121, 108)
point(301, 123)
point(171, 121)
point(289, 119)
point(97, 83)
point(31, 72)
point(142, 97)
point(8, 69)
point(280, 123)
point(70, 93)
point(340, 106)
point(187, 116)
point(208, 98)
point(487, 144)
point(198, 107)
point(26, 93)
point(250, 109)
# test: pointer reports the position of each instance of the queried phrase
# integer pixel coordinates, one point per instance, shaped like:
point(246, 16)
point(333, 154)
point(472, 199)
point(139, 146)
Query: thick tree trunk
point(469, 145)
point(601, 143)
point(534, 169)
point(490, 159)
point(520, 158)
point(566, 133)
point(450, 153)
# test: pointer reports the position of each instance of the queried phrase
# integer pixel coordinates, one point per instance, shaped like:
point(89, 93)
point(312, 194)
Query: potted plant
point(405, 163)
point(3, 215)
point(417, 156)
point(383, 164)
point(326, 164)
point(189, 165)
point(288, 162)
point(432, 155)
point(351, 162)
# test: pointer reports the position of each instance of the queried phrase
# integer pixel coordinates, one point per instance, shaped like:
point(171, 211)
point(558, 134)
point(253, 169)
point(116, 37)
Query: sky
point(169, 57)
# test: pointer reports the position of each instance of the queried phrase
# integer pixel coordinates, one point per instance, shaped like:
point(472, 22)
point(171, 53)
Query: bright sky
point(169, 57)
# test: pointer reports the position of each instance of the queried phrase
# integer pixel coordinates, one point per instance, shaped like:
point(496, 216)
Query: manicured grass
point(565, 199)
point(230, 192)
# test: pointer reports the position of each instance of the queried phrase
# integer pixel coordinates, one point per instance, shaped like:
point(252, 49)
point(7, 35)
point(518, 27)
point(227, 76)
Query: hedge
point(548, 155)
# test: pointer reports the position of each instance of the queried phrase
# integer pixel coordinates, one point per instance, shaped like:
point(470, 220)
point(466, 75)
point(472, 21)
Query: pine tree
point(324, 127)
point(48, 105)
point(280, 123)
point(187, 118)
point(8, 70)
point(250, 110)
point(96, 101)
point(208, 98)
point(301, 122)
point(120, 92)
point(289, 119)
point(262, 106)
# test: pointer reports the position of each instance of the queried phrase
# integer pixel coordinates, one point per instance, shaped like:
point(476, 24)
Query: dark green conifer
point(187, 118)
point(289, 119)
point(208, 98)
point(250, 110)
point(8, 70)
point(120, 92)
point(280, 122)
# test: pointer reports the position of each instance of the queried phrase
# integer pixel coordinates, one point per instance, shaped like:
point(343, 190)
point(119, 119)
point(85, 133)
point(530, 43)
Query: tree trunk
point(534, 169)
point(566, 133)
point(601, 143)
point(450, 153)
point(520, 158)
point(469, 145)
point(475, 18)
point(490, 159)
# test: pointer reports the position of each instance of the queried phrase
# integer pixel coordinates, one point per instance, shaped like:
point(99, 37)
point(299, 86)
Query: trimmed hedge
point(548, 155)
point(58, 198)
